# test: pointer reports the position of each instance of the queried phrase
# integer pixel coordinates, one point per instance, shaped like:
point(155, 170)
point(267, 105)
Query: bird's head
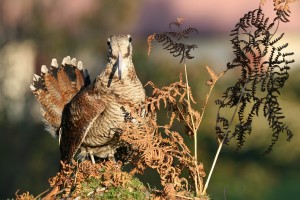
point(120, 52)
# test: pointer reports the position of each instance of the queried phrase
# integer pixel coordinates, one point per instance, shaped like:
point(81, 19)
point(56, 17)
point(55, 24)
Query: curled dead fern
point(72, 179)
point(170, 40)
point(24, 196)
point(264, 68)
point(161, 148)
point(282, 8)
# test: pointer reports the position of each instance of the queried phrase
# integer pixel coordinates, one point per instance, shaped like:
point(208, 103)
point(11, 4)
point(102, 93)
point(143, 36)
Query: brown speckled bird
point(86, 116)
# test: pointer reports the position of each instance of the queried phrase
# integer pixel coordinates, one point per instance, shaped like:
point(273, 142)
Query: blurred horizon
point(33, 32)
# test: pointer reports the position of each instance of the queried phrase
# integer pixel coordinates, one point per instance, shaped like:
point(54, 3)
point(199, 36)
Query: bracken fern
point(264, 66)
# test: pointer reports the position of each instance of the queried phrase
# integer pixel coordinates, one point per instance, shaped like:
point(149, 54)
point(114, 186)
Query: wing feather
point(78, 117)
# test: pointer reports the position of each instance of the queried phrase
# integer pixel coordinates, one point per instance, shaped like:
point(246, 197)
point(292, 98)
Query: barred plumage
point(89, 116)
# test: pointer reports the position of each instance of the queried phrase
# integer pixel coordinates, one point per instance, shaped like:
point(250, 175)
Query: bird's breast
point(120, 100)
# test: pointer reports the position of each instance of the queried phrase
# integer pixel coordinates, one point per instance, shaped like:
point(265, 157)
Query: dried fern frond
point(161, 148)
point(262, 2)
point(282, 8)
point(279, 4)
point(24, 196)
point(149, 40)
point(283, 5)
point(214, 77)
point(264, 69)
point(72, 175)
point(175, 48)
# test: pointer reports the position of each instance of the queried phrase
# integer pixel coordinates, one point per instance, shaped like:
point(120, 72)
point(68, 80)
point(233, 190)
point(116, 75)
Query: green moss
point(93, 188)
point(89, 186)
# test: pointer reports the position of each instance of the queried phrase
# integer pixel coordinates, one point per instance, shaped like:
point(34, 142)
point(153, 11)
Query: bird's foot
point(92, 157)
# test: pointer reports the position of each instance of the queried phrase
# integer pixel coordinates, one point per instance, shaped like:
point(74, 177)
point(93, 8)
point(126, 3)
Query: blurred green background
point(32, 32)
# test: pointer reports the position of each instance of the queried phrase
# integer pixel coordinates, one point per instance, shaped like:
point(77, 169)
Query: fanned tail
point(56, 87)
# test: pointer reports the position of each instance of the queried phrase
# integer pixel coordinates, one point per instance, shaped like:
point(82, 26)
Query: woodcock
point(86, 116)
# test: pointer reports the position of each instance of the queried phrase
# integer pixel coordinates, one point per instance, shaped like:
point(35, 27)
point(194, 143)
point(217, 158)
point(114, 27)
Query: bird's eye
point(129, 38)
point(108, 42)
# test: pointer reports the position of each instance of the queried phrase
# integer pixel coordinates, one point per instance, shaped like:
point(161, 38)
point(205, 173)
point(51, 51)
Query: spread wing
point(78, 116)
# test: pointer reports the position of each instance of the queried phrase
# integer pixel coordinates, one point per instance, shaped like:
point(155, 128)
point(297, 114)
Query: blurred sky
point(211, 16)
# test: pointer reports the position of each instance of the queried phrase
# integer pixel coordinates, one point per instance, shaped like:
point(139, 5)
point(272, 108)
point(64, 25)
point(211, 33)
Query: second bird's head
point(120, 50)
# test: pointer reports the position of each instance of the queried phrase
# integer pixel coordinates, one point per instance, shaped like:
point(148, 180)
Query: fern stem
point(208, 95)
point(223, 140)
point(38, 196)
point(197, 182)
point(278, 22)
point(192, 119)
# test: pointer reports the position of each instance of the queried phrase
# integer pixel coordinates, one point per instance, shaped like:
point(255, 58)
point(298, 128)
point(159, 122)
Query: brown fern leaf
point(71, 177)
point(262, 2)
point(170, 191)
point(24, 196)
point(149, 40)
point(282, 8)
point(212, 74)
point(283, 5)
point(158, 147)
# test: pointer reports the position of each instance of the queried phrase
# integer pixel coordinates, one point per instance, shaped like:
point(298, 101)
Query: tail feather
point(67, 87)
point(53, 93)
point(56, 87)
point(80, 76)
point(46, 94)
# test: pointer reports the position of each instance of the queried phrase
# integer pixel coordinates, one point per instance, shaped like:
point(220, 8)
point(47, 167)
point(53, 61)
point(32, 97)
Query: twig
point(53, 192)
point(41, 194)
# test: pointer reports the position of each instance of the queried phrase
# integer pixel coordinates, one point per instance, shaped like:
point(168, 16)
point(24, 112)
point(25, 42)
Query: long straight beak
point(120, 61)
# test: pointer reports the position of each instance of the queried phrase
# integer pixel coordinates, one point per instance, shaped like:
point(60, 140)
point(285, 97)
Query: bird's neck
point(110, 76)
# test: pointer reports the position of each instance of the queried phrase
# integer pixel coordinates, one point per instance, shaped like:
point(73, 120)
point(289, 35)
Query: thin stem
point(275, 29)
point(194, 131)
point(223, 140)
point(208, 95)
point(37, 197)
point(192, 119)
